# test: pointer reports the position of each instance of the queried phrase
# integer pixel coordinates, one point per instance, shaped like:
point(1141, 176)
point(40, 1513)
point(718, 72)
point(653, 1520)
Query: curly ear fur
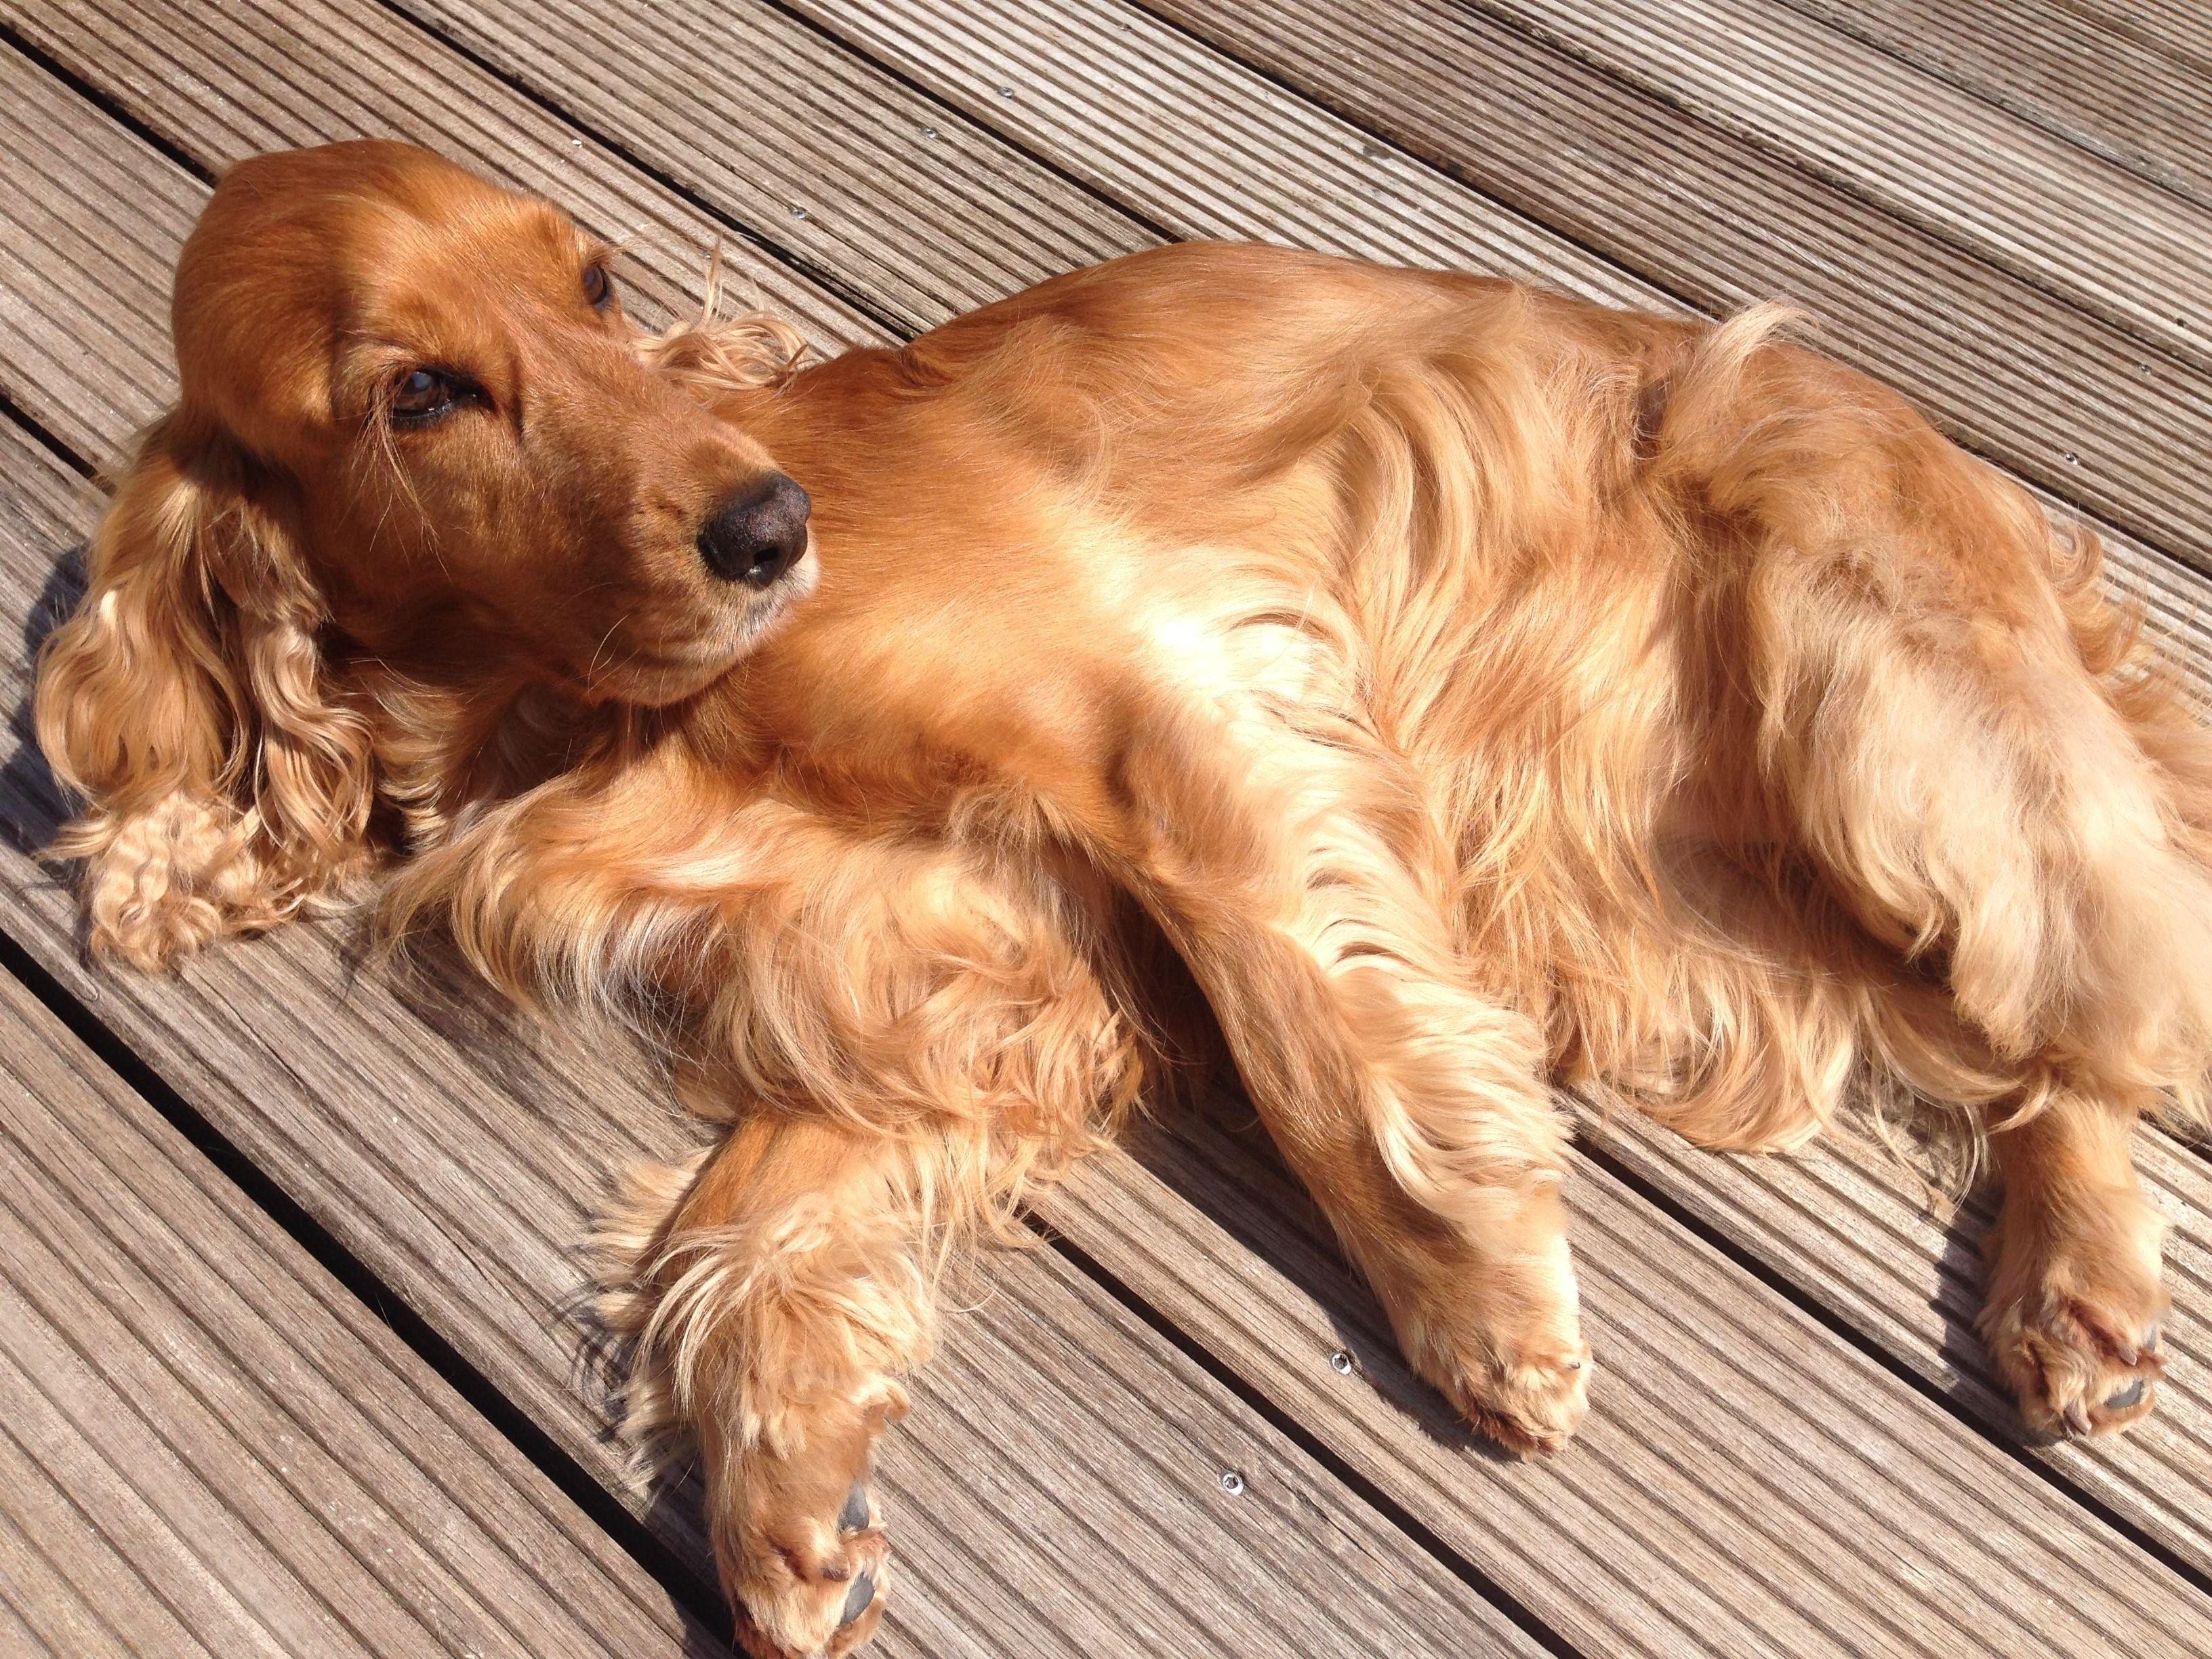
point(188, 702)
point(713, 354)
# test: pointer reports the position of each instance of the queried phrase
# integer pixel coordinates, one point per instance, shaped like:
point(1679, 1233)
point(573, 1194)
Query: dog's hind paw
point(2076, 1369)
point(1495, 1328)
point(1515, 1365)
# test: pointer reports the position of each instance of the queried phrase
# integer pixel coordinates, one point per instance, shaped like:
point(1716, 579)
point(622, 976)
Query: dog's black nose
point(758, 533)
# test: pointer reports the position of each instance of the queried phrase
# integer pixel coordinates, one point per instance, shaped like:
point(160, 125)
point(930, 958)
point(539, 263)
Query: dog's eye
point(421, 394)
point(598, 287)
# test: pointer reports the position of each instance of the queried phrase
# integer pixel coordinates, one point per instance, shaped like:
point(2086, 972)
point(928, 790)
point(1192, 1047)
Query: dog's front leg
point(2075, 1300)
point(904, 1036)
point(1310, 891)
point(777, 1301)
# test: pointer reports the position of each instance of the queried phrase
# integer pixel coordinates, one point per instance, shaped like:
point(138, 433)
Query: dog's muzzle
point(758, 533)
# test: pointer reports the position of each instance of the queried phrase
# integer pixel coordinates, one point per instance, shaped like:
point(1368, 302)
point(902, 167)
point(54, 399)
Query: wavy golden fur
point(1473, 688)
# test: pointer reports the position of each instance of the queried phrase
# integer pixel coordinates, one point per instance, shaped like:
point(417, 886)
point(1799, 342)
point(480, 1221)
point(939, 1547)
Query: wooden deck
point(290, 1330)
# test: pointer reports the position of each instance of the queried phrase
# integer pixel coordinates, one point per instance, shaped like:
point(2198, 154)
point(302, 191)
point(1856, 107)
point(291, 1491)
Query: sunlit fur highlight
point(1468, 688)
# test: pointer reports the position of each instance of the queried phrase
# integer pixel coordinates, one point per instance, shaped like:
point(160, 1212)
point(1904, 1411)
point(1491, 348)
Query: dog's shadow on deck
point(1967, 1378)
point(31, 808)
point(1211, 1154)
point(675, 1519)
point(1956, 1294)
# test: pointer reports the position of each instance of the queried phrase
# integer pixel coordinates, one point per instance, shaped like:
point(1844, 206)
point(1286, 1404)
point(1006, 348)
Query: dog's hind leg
point(776, 1294)
point(1941, 710)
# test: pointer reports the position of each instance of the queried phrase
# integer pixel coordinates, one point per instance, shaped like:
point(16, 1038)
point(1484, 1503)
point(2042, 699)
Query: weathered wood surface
point(1910, 144)
point(2180, 29)
point(917, 213)
point(1843, 1227)
point(1699, 1376)
point(256, 75)
point(212, 1447)
point(2123, 88)
point(1054, 1418)
point(1697, 1526)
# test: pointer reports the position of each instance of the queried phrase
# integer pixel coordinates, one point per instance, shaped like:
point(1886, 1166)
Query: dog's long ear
point(187, 702)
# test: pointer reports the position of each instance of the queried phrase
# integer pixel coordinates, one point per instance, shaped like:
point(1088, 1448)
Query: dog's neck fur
point(447, 750)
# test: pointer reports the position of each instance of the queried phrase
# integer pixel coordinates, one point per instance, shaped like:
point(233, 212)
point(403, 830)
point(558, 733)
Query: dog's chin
point(766, 613)
point(658, 678)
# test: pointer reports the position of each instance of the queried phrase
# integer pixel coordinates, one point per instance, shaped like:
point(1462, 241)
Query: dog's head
point(414, 427)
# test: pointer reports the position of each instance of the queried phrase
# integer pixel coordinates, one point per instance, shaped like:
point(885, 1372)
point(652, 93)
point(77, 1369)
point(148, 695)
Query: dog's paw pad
point(820, 1593)
point(2075, 1369)
point(2074, 1310)
point(859, 1599)
point(1532, 1406)
point(854, 1517)
point(1544, 1402)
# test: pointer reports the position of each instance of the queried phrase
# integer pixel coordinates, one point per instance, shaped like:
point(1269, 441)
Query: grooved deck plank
point(218, 1446)
point(870, 185)
point(2182, 29)
point(1184, 139)
point(1698, 1378)
point(2081, 78)
point(1911, 144)
point(466, 1187)
point(246, 84)
point(1842, 1223)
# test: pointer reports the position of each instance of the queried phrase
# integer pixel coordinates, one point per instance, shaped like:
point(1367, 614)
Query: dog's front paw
point(804, 1558)
point(2073, 1315)
point(1530, 1400)
point(812, 1587)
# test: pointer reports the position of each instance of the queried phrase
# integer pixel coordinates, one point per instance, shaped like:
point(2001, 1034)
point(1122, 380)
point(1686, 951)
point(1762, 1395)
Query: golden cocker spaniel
point(1474, 686)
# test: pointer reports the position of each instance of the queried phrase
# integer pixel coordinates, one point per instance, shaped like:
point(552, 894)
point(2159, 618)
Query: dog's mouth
point(665, 665)
point(772, 603)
